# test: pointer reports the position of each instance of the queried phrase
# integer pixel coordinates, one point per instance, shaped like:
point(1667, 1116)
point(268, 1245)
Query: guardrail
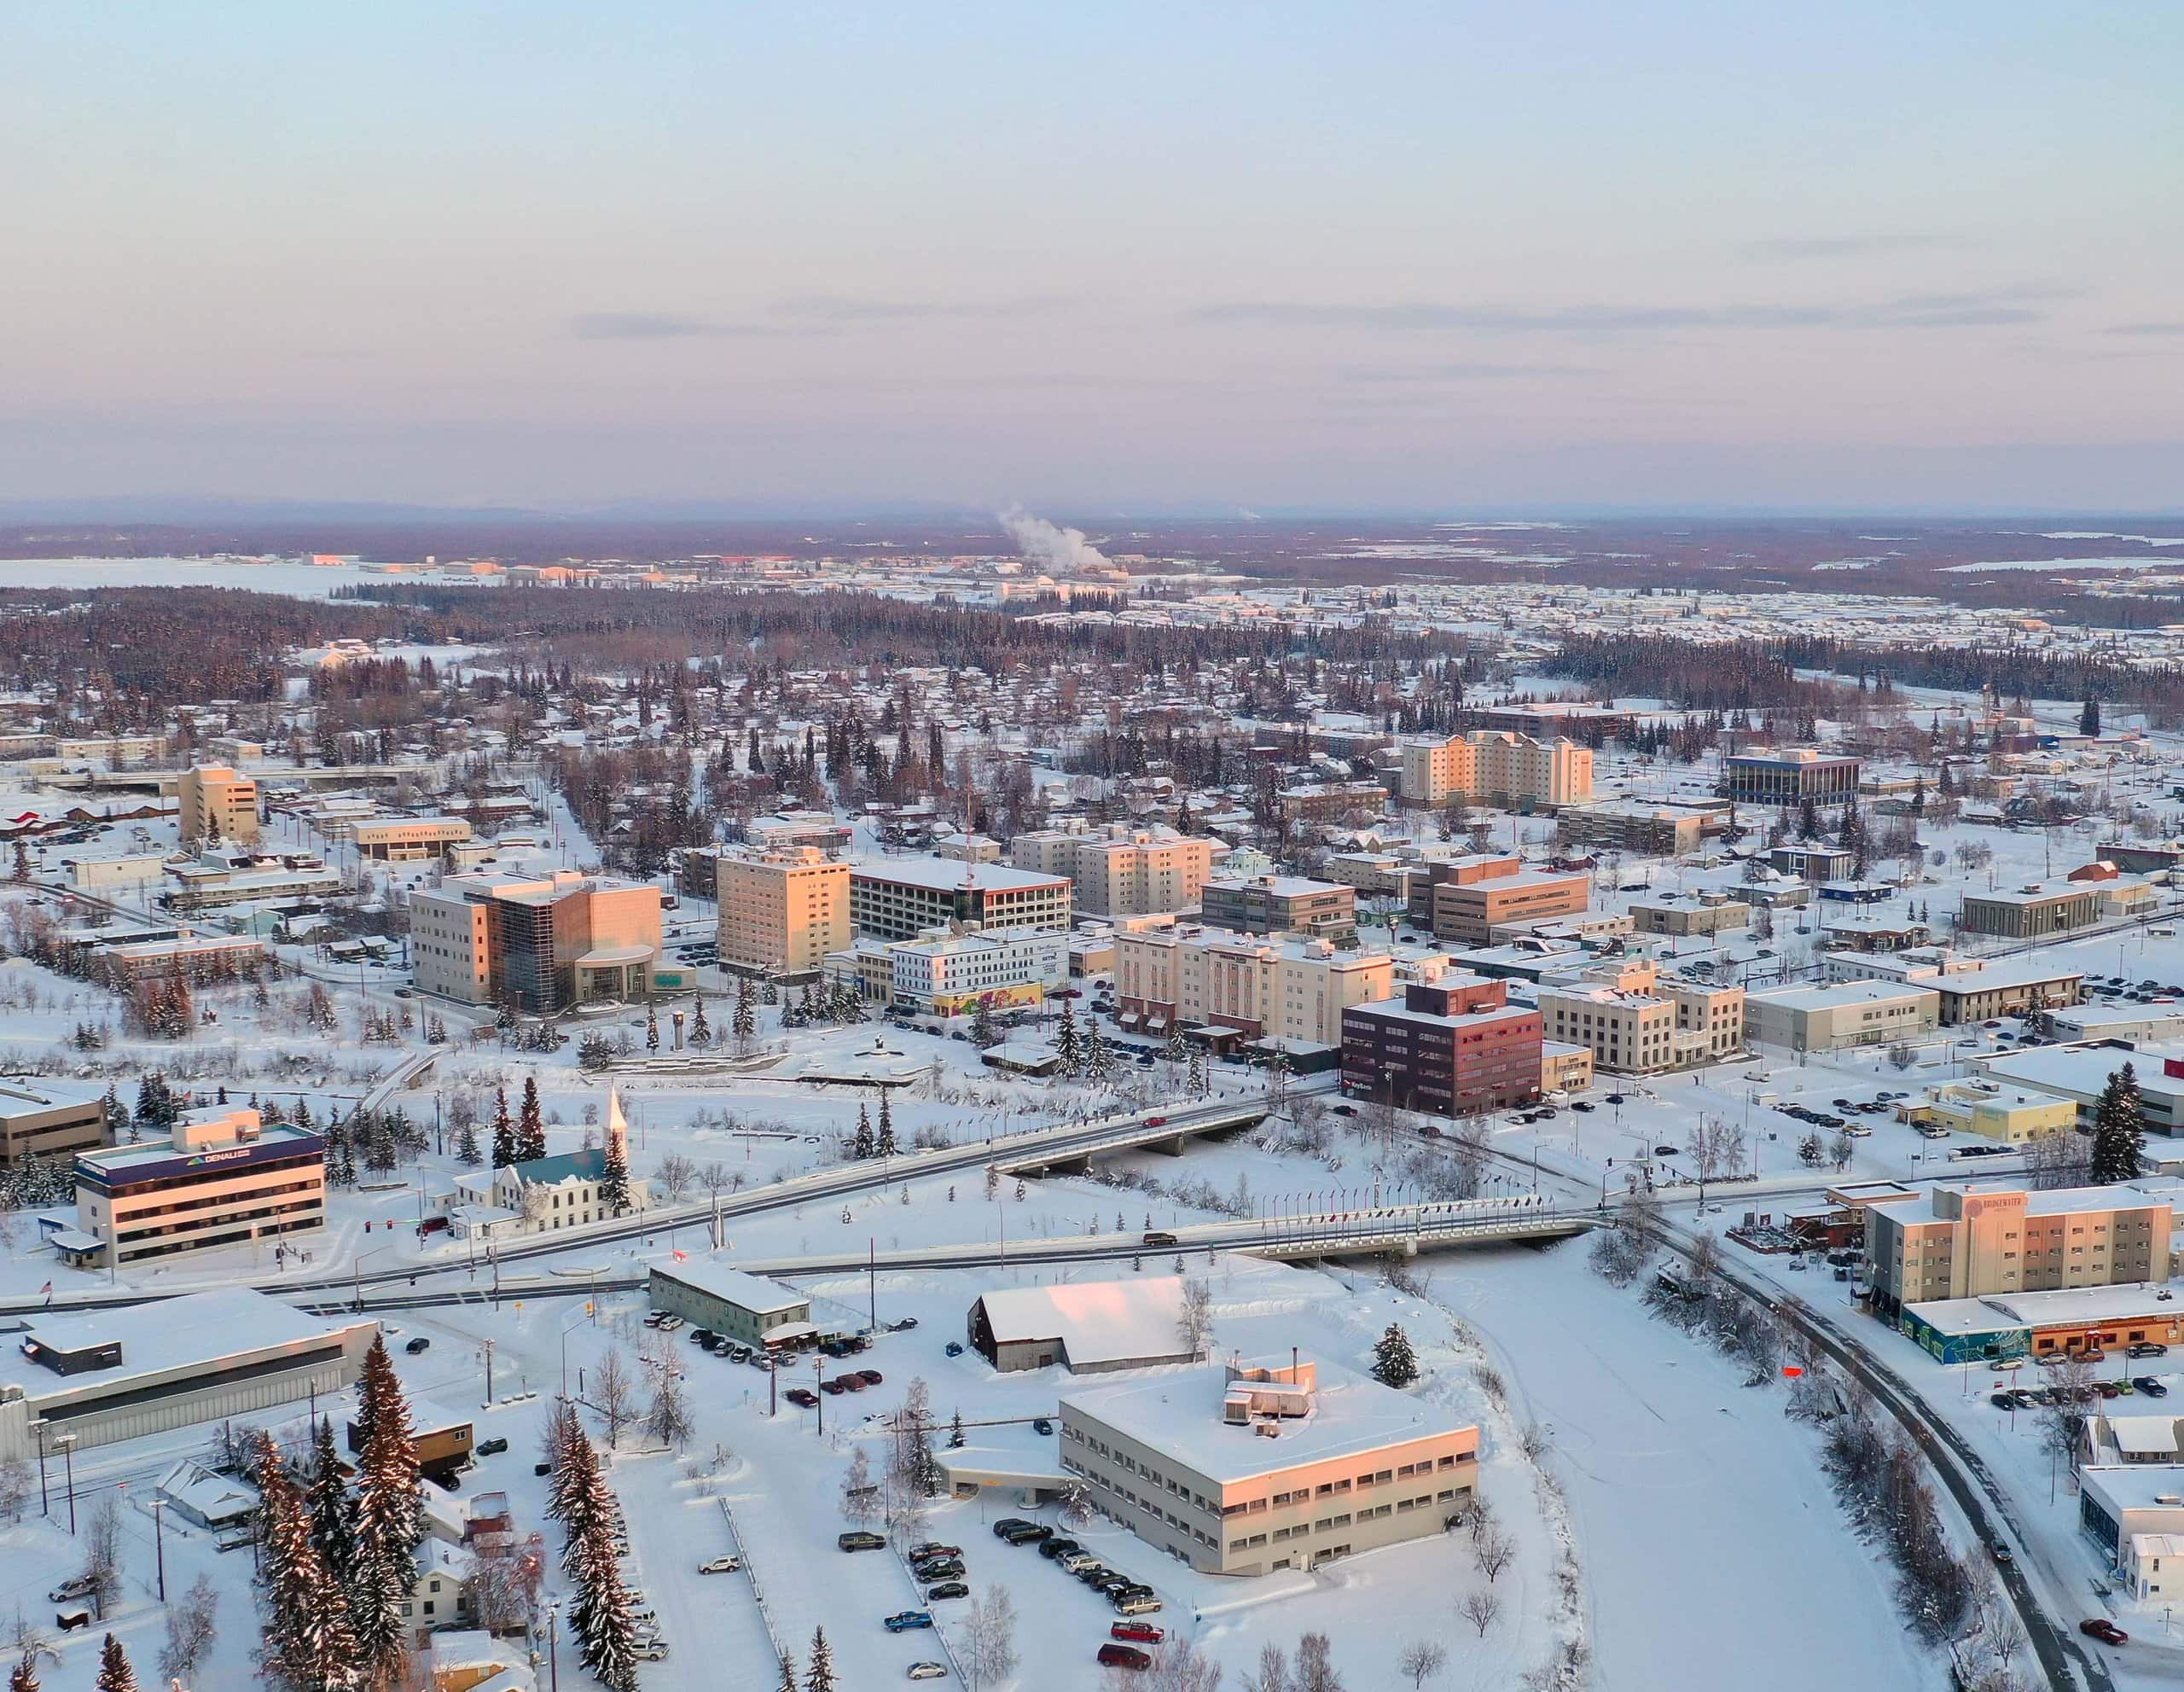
point(742, 1549)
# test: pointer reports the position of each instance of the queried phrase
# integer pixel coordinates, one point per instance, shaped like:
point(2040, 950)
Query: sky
point(1104, 259)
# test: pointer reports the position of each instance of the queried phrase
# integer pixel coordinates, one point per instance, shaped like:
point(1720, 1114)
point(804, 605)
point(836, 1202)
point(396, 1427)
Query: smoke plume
point(1044, 543)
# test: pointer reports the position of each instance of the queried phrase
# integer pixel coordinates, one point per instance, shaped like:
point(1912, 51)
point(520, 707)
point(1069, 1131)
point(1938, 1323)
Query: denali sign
point(275, 1147)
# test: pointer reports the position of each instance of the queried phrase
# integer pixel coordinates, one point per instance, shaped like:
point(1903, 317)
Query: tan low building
point(1847, 1014)
point(409, 839)
point(1707, 914)
point(2027, 912)
point(1245, 1470)
point(1637, 1021)
point(1992, 1111)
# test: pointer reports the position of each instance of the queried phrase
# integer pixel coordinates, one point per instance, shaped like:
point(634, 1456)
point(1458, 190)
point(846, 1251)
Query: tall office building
point(216, 804)
point(541, 944)
point(782, 912)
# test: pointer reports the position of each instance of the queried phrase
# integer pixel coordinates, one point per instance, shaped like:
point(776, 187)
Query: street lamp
point(67, 1444)
point(355, 1273)
point(567, 1328)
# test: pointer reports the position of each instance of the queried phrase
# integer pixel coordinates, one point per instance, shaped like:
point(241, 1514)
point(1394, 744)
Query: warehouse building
point(1089, 1328)
point(40, 1117)
point(171, 1363)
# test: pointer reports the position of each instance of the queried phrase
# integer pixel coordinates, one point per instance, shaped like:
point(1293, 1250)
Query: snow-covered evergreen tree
point(115, 1675)
point(307, 1644)
point(1394, 1362)
point(2119, 1129)
point(529, 1124)
point(390, 1520)
point(614, 1177)
point(504, 1130)
point(884, 1144)
point(821, 1676)
point(332, 1525)
point(23, 1677)
point(1066, 1042)
point(860, 1146)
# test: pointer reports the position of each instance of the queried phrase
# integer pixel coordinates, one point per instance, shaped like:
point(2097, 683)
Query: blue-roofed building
point(563, 1190)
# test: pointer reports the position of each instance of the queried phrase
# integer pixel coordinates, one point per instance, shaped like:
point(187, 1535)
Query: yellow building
point(408, 839)
point(217, 804)
point(782, 912)
point(1993, 1111)
point(1498, 765)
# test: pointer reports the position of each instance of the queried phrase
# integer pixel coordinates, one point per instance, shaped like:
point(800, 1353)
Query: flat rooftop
point(1178, 1411)
point(720, 1281)
point(2063, 1306)
point(2084, 1070)
point(192, 1331)
point(1842, 995)
point(948, 875)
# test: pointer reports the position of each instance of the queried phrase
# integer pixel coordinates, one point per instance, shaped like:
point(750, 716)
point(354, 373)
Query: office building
point(1650, 831)
point(1290, 1464)
point(1280, 904)
point(1689, 913)
point(541, 944)
point(1964, 1242)
point(2081, 1073)
point(898, 898)
point(1184, 975)
point(1847, 1013)
point(1457, 1047)
point(1121, 871)
point(1637, 1021)
point(1468, 904)
point(2037, 909)
point(1790, 777)
point(949, 975)
point(706, 1293)
point(408, 839)
point(1329, 802)
point(780, 911)
point(223, 1178)
point(43, 1119)
point(215, 805)
point(1992, 1110)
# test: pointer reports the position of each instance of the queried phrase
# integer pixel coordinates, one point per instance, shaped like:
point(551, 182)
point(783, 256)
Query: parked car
point(1028, 1533)
point(802, 1397)
point(871, 1377)
point(2152, 1387)
point(953, 1348)
point(933, 1548)
point(939, 1568)
point(1135, 1603)
point(946, 1589)
point(1113, 1656)
point(1040, 1424)
point(75, 1586)
point(1075, 1561)
point(1142, 1632)
point(420, 1344)
point(1007, 1525)
point(905, 1621)
point(702, 1336)
point(2145, 1348)
point(1058, 1547)
point(491, 1448)
point(2099, 1627)
point(2000, 1401)
point(722, 1566)
point(928, 1672)
point(650, 1651)
point(861, 1541)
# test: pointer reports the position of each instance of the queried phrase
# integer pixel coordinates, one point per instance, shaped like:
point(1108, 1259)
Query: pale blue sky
point(1105, 257)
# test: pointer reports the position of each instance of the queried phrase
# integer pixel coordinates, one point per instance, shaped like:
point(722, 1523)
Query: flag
point(681, 1257)
point(47, 1287)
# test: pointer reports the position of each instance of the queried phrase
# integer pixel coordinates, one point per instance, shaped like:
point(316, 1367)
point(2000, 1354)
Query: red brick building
point(1454, 1049)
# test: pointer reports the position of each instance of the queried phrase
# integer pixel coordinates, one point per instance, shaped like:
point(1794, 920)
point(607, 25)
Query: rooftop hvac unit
point(1268, 1430)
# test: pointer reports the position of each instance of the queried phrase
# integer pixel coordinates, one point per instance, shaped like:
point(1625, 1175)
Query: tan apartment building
point(216, 804)
point(1962, 1241)
point(541, 944)
point(1279, 989)
point(782, 912)
point(223, 1178)
point(1245, 1470)
point(1847, 1013)
point(408, 839)
point(2027, 912)
point(1631, 825)
point(1497, 765)
point(1121, 871)
point(1637, 1021)
point(1469, 911)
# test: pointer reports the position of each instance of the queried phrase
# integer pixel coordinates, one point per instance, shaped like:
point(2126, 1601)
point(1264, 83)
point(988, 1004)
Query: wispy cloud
point(859, 309)
point(2020, 304)
point(1461, 372)
point(654, 326)
point(2147, 329)
point(1847, 246)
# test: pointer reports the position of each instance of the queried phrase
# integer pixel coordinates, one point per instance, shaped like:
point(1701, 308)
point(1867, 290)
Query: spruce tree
point(333, 1526)
point(529, 1124)
point(884, 1145)
point(2089, 717)
point(652, 1027)
point(614, 1178)
point(860, 1146)
point(788, 1673)
point(308, 1644)
point(466, 1145)
point(1394, 1362)
point(821, 1676)
point(2118, 1131)
point(115, 1674)
point(390, 1520)
point(702, 1032)
point(504, 1130)
point(23, 1677)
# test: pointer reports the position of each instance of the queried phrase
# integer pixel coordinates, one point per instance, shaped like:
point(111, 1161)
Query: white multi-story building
point(1121, 871)
point(948, 974)
point(1847, 1014)
point(898, 898)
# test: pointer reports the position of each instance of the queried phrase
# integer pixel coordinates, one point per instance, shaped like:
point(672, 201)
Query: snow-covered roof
point(192, 1331)
point(1178, 1412)
point(1098, 1322)
point(746, 1292)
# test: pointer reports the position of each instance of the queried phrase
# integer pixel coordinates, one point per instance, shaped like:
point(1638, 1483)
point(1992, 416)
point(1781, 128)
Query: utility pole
point(872, 1282)
point(489, 1371)
point(160, 1546)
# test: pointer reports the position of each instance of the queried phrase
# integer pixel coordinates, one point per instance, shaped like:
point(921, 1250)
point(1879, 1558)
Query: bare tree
point(102, 1552)
point(499, 1597)
point(716, 1177)
point(669, 1420)
point(674, 1173)
point(614, 1394)
point(2062, 1425)
point(1491, 1548)
point(15, 1488)
point(992, 1635)
point(1179, 1667)
point(1194, 1321)
point(1271, 1673)
point(1481, 1608)
point(1422, 1659)
point(2063, 1158)
point(191, 1629)
point(1316, 1671)
point(858, 1491)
